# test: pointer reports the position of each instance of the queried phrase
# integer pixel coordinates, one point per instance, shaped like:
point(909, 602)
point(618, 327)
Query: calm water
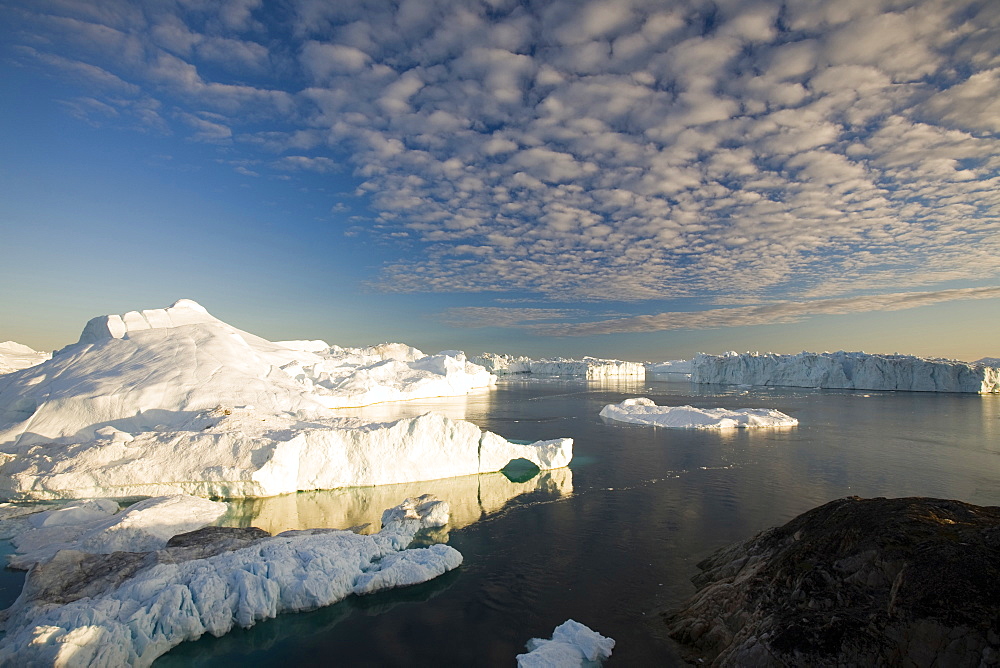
point(615, 538)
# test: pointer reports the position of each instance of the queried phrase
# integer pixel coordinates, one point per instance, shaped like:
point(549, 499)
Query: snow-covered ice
point(16, 356)
point(846, 370)
point(572, 645)
point(98, 527)
point(164, 598)
point(643, 411)
point(591, 368)
point(172, 401)
point(249, 453)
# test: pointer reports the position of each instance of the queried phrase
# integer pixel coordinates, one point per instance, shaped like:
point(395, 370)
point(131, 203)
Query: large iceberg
point(643, 411)
point(174, 401)
point(130, 608)
point(846, 370)
point(16, 356)
point(572, 645)
point(591, 368)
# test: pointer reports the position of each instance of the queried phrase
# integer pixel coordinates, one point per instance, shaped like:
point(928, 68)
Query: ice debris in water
point(572, 645)
point(641, 410)
point(166, 597)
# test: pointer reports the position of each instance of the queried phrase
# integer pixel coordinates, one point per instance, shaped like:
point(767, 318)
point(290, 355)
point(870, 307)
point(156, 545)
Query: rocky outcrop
point(855, 582)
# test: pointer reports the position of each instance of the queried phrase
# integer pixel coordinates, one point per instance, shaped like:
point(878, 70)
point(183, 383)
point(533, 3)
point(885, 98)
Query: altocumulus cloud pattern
point(774, 158)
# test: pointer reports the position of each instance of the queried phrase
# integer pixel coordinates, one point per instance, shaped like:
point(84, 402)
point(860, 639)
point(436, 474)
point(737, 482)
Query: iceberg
point(130, 608)
point(499, 363)
point(572, 645)
point(15, 356)
point(641, 410)
point(98, 527)
point(668, 367)
point(174, 401)
point(846, 370)
point(591, 368)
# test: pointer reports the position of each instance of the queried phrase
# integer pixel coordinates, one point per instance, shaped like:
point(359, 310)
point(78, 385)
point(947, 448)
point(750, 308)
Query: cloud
point(599, 151)
point(763, 314)
point(487, 316)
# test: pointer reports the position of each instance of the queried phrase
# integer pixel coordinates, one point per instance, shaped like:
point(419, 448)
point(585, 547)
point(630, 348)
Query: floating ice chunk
point(171, 597)
point(846, 370)
point(643, 411)
point(572, 645)
point(97, 527)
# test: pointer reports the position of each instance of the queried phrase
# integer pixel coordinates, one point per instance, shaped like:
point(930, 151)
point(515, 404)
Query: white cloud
point(764, 314)
point(615, 150)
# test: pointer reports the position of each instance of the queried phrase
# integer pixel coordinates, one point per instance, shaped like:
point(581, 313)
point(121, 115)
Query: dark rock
point(71, 575)
point(855, 582)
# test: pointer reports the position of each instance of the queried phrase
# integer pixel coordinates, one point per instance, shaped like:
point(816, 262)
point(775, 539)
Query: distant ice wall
point(846, 370)
point(591, 368)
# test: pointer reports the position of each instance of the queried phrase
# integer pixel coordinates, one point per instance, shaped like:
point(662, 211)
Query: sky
point(640, 179)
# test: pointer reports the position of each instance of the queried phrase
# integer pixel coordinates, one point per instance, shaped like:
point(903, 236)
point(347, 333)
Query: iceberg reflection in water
point(471, 498)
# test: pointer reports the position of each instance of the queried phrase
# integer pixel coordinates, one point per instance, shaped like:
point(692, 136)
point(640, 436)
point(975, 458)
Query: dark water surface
point(614, 539)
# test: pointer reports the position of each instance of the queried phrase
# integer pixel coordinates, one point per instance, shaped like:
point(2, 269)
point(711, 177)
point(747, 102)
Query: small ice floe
point(572, 645)
point(643, 411)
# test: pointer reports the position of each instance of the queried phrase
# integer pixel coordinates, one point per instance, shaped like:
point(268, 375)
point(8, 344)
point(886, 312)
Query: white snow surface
point(16, 356)
point(592, 368)
point(572, 645)
point(641, 410)
point(98, 527)
point(846, 370)
point(171, 401)
point(170, 602)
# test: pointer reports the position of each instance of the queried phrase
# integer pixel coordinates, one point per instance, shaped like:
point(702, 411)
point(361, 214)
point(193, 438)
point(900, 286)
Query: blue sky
point(629, 178)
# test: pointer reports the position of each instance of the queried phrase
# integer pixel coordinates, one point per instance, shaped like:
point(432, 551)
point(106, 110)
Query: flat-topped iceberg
point(16, 356)
point(174, 401)
point(572, 645)
point(591, 368)
point(130, 608)
point(846, 370)
point(643, 411)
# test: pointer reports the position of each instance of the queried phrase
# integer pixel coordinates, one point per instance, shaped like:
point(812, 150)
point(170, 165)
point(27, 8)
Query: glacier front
point(846, 370)
point(174, 401)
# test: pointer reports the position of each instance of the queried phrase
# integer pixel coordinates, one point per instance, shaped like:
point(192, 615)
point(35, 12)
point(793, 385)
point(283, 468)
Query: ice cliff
point(173, 400)
point(129, 608)
point(643, 411)
point(846, 370)
point(591, 368)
